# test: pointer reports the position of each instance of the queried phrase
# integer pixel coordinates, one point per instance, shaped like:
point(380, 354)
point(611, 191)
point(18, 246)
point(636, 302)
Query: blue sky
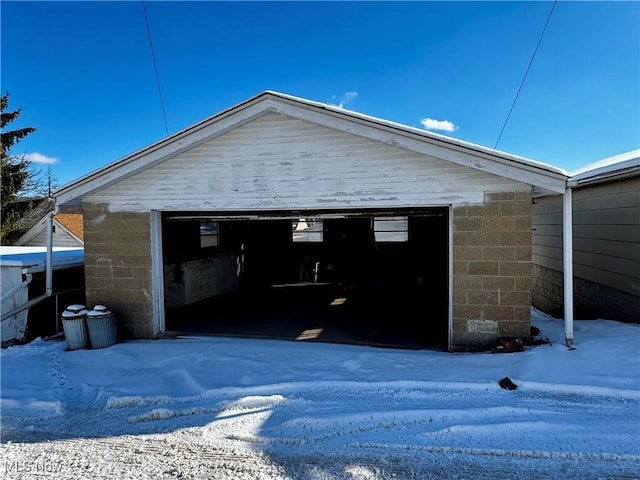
point(83, 75)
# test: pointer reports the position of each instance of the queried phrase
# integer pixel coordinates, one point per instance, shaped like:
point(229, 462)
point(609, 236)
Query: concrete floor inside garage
point(313, 312)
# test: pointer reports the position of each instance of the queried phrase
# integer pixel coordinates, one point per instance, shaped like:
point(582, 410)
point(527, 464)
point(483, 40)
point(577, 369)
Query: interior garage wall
point(118, 266)
point(491, 270)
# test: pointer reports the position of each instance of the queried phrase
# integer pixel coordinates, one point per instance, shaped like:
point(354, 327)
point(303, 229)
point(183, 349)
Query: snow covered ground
point(225, 408)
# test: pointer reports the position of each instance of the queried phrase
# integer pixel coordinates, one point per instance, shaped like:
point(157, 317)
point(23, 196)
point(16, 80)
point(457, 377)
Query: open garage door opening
point(374, 278)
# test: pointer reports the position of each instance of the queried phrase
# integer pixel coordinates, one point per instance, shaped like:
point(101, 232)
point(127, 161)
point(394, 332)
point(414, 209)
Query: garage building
point(281, 209)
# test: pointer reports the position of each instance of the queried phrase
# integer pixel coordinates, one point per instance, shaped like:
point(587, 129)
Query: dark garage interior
point(375, 278)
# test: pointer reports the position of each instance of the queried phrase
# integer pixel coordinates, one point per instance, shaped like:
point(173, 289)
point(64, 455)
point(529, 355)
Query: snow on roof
point(608, 167)
point(35, 258)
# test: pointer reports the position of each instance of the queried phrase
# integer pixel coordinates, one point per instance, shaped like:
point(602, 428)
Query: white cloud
point(433, 124)
point(346, 98)
point(36, 157)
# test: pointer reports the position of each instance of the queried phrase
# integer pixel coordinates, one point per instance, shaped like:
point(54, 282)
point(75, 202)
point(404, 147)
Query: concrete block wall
point(594, 300)
point(590, 299)
point(492, 279)
point(117, 260)
point(548, 290)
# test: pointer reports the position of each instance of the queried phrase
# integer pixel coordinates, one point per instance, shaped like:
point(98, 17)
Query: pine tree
point(14, 170)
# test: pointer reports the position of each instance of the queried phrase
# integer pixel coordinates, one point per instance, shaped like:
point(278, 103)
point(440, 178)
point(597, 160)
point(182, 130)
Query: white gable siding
point(276, 162)
point(37, 236)
point(60, 239)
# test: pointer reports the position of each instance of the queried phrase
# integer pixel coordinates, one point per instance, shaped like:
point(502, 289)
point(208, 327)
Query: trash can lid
point(100, 308)
point(98, 313)
point(76, 307)
point(74, 314)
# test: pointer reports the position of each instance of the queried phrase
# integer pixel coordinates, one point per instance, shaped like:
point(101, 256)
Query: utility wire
point(526, 73)
point(155, 67)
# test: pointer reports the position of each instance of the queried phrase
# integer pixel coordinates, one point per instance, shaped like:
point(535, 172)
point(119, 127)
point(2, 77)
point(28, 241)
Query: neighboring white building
point(606, 242)
point(67, 232)
point(22, 284)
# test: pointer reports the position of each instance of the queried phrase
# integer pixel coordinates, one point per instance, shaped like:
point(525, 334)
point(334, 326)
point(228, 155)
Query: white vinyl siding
point(276, 162)
point(61, 237)
point(606, 234)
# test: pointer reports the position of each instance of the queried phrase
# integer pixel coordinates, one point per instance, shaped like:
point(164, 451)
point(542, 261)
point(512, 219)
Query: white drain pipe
point(49, 261)
point(567, 257)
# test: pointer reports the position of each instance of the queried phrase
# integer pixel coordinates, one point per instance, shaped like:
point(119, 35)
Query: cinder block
point(507, 208)
point(467, 311)
point(515, 238)
point(476, 211)
point(515, 298)
point(523, 253)
point(459, 325)
point(499, 224)
point(515, 329)
point(499, 312)
point(460, 211)
point(467, 224)
point(482, 297)
point(460, 268)
point(515, 269)
point(499, 253)
point(499, 196)
point(490, 210)
point(468, 253)
point(523, 223)
point(523, 283)
point(523, 208)
point(483, 268)
point(490, 327)
point(459, 238)
point(143, 331)
point(460, 295)
point(465, 282)
point(485, 239)
point(523, 313)
point(502, 283)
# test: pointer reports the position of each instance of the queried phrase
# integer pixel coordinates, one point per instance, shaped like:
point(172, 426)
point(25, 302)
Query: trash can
point(102, 327)
point(75, 327)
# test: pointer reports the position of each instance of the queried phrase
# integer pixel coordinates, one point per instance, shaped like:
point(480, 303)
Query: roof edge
point(156, 145)
point(426, 134)
point(171, 145)
point(612, 168)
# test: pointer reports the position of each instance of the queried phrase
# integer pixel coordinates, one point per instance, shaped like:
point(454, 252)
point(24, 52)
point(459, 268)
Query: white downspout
point(49, 262)
point(567, 256)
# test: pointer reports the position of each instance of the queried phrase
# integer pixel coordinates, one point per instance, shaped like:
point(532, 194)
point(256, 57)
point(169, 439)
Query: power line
point(526, 73)
point(155, 67)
